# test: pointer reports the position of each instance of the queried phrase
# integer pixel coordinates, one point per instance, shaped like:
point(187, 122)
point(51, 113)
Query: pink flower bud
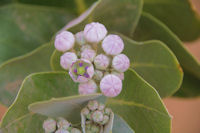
point(111, 85)
point(101, 61)
point(67, 59)
point(121, 63)
point(64, 41)
point(118, 74)
point(80, 38)
point(89, 87)
point(88, 54)
point(81, 71)
point(94, 32)
point(113, 45)
point(49, 125)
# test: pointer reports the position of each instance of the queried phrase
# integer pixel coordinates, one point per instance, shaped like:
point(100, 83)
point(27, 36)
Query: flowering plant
point(106, 68)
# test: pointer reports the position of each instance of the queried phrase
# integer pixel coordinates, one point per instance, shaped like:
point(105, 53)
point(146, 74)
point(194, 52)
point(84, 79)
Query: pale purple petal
point(113, 45)
point(121, 63)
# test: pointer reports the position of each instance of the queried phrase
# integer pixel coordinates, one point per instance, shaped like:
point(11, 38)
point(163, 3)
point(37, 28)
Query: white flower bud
point(93, 105)
point(105, 119)
point(89, 87)
point(94, 32)
point(88, 54)
point(101, 106)
point(80, 38)
point(85, 111)
point(121, 63)
point(49, 125)
point(111, 85)
point(101, 61)
point(64, 41)
point(113, 45)
point(97, 116)
point(63, 124)
point(67, 59)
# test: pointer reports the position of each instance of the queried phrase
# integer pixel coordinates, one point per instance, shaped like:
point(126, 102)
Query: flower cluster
point(94, 59)
point(61, 126)
point(96, 117)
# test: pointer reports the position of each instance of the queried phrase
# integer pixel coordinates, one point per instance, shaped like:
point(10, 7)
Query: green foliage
point(178, 15)
point(151, 28)
point(155, 71)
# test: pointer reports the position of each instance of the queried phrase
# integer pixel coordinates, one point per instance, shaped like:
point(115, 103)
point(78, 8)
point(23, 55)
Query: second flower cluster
point(93, 59)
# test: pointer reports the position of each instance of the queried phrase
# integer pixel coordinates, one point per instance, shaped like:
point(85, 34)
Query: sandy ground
point(185, 112)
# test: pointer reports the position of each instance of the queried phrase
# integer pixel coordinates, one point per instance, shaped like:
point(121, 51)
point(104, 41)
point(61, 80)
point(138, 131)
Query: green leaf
point(14, 71)
point(163, 72)
point(36, 87)
point(140, 106)
point(150, 28)
point(117, 15)
point(120, 126)
point(178, 15)
point(67, 107)
point(26, 25)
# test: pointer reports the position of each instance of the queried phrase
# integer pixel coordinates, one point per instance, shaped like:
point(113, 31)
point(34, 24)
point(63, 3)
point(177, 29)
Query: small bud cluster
point(89, 67)
point(97, 115)
point(60, 126)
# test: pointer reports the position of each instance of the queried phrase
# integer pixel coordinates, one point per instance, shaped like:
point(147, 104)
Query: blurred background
point(185, 112)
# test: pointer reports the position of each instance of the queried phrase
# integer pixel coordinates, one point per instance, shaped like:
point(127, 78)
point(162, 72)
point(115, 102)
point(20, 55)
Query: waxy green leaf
point(25, 26)
point(14, 71)
point(150, 28)
point(141, 106)
point(179, 15)
point(36, 87)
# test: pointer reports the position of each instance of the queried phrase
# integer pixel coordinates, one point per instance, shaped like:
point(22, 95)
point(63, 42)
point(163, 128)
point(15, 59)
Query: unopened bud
point(67, 59)
point(113, 45)
point(80, 38)
point(98, 75)
point(111, 85)
point(105, 119)
point(94, 32)
point(63, 124)
point(93, 105)
point(89, 87)
point(88, 54)
point(118, 74)
point(49, 125)
point(101, 106)
point(121, 63)
point(101, 62)
point(85, 111)
point(97, 116)
point(64, 41)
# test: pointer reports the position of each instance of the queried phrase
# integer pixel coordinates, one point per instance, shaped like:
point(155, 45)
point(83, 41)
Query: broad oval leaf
point(146, 31)
point(14, 71)
point(117, 15)
point(141, 106)
point(24, 27)
point(44, 86)
point(163, 72)
point(67, 107)
point(179, 15)
point(36, 87)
